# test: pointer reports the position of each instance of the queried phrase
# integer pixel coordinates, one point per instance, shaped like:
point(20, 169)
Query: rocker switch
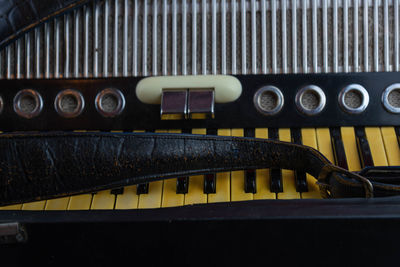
point(174, 104)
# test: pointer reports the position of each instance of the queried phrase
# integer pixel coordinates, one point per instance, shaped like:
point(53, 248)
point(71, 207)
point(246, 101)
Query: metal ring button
point(24, 95)
point(117, 94)
point(313, 90)
point(362, 93)
point(264, 106)
point(386, 99)
point(79, 105)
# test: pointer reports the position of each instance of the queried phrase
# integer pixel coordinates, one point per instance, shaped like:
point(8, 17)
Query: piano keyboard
point(350, 147)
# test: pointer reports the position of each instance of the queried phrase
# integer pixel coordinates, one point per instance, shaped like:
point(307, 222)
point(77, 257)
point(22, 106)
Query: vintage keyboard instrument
point(319, 73)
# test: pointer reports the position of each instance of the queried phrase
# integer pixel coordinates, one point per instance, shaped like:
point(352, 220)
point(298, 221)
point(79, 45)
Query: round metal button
point(116, 102)
point(387, 101)
point(268, 100)
point(28, 103)
point(77, 103)
point(361, 96)
point(312, 91)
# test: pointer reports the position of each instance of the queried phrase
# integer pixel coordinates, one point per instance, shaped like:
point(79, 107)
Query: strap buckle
point(328, 169)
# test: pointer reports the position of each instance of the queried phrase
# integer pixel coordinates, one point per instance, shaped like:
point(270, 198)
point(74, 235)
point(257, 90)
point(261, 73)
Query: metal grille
point(182, 37)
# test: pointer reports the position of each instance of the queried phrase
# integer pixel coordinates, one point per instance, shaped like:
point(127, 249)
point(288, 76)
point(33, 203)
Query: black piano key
point(338, 148)
point(276, 183)
point(363, 148)
point(250, 175)
point(117, 191)
point(299, 176)
point(142, 189)
point(210, 180)
point(182, 183)
point(210, 183)
point(397, 131)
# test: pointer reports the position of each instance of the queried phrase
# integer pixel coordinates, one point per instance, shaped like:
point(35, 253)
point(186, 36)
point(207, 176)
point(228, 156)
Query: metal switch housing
point(174, 104)
point(201, 104)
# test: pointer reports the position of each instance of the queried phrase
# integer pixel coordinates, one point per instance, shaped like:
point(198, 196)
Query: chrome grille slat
point(174, 37)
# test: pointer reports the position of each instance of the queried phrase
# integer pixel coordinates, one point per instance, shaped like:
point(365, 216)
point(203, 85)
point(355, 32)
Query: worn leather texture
point(20, 16)
point(47, 165)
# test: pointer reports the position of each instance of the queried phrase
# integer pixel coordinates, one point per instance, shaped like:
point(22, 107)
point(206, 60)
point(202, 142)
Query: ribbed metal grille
point(180, 37)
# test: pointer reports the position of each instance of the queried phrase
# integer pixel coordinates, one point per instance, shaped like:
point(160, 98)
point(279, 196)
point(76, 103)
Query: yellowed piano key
point(103, 200)
point(237, 178)
point(80, 202)
point(222, 180)
point(36, 205)
point(325, 143)
point(153, 198)
point(57, 204)
point(169, 197)
point(128, 199)
point(262, 175)
point(195, 192)
point(350, 148)
point(288, 180)
point(375, 141)
point(309, 139)
point(12, 207)
point(391, 144)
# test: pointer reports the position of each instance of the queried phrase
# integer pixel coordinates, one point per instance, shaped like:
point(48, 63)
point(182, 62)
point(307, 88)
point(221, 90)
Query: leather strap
point(20, 16)
point(35, 166)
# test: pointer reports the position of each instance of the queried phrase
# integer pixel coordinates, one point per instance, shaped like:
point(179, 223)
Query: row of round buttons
point(311, 100)
point(69, 103)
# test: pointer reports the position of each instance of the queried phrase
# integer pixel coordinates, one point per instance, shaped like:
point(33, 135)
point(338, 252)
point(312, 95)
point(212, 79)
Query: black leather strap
point(20, 16)
point(47, 165)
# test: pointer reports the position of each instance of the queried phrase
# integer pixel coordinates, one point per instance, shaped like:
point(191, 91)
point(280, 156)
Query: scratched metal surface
point(182, 37)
